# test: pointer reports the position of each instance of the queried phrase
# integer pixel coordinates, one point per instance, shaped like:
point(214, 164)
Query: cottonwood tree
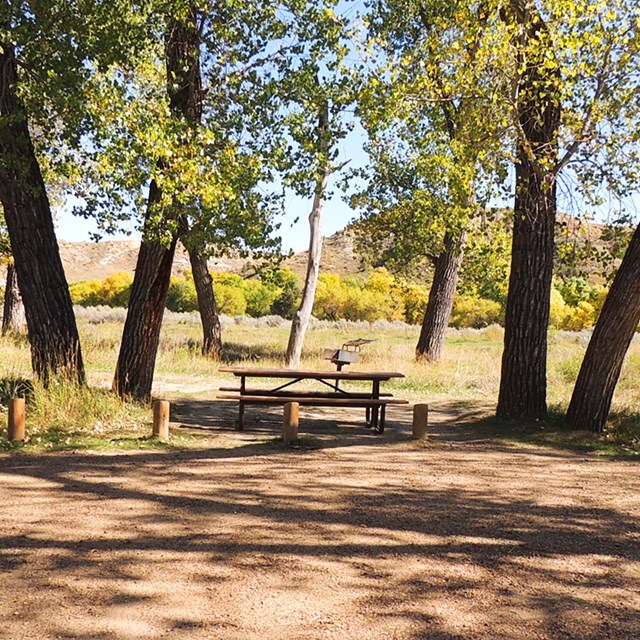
point(314, 124)
point(298, 102)
point(435, 135)
point(573, 69)
point(141, 335)
point(603, 360)
point(47, 54)
point(185, 134)
point(176, 199)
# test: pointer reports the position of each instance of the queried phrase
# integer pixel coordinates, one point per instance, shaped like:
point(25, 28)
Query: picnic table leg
point(240, 426)
point(377, 411)
point(383, 412)
point(374, 419)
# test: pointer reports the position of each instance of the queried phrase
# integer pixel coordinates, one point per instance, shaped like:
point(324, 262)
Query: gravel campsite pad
point(358, 536)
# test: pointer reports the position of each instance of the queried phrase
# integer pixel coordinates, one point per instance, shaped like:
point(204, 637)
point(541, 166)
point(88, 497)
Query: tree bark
point(211, 330)
point(600, 370)
point(440, 303)
point(141, 335)
point(13, 318)
point(302, 316)
point(523, 384)
point(53, 334)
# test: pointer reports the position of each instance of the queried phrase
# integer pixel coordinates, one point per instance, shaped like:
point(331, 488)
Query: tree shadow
point(234, 352)
point(474, 556)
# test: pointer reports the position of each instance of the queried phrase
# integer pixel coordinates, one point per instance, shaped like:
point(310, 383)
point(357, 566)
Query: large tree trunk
point(13, 318)
point(600, 370)
point(53, 335)
point(141, 335)
point(440, 303)
point(212, 333)
point(523, 384)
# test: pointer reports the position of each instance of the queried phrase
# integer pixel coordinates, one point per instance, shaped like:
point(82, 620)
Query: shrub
point(580, 317)
point(476, 313)
point(288, 299)
point(85, 293)
point(230, 300)
point(259, 298)
point(330, 297)
point(415, 302)
point(182, 295)
point(115, 290)
point(558, 310)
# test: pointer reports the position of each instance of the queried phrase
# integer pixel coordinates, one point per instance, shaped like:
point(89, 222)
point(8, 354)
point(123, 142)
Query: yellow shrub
point(476, 313)
point(559, 310)
point(115, 289)
point(330, 297)
point(580, 317)
point(85, 293)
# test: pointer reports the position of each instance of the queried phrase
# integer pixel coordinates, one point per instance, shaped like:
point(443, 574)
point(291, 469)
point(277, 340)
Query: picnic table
point(328, 392)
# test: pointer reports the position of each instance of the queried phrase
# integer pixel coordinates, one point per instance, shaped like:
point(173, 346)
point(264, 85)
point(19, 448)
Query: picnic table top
point(311, 374)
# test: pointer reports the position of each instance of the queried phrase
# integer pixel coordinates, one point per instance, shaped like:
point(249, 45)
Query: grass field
point(468, 375)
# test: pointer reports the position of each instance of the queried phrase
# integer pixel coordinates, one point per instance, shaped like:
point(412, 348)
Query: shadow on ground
point(362, 539)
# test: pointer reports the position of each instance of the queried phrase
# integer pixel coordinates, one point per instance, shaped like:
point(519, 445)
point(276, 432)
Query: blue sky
point(295, 235)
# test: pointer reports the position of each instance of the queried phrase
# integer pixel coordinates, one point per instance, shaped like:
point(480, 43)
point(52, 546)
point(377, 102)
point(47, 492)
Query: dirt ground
point(364, 537)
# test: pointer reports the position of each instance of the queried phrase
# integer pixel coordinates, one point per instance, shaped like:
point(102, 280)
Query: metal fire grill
point(347, 354)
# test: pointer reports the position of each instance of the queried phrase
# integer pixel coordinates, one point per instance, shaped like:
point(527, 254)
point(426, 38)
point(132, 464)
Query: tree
point(141, 335)
point(567, 108)
point(434, 134)
point(55, 345)
point(523, 380)
point(302, 315)
point(211, 328)
point(188, 142)
point(50, 55)
point(307, 94)
point(602, 364)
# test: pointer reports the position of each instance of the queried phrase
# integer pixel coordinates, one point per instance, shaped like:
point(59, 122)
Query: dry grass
point(468, 373)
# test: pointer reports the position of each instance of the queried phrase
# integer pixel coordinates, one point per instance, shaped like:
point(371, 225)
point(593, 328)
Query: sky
point(295, 235)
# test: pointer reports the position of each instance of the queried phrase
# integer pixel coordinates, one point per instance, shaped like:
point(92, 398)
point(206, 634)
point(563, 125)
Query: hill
point(97, 260)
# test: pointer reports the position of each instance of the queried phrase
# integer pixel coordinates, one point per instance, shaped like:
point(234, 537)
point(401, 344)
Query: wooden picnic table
point(329, 393)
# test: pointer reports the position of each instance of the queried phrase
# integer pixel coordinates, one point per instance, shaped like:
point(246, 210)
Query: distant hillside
point(97, 260)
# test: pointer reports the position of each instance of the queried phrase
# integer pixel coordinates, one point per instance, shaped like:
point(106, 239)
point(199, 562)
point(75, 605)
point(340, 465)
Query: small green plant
point(15, 387)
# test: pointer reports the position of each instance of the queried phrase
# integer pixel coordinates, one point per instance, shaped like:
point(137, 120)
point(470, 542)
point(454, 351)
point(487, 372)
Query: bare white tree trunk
point(302, 316)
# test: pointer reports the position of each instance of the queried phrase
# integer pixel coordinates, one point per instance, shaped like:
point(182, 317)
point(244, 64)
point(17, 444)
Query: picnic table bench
point(332, 394)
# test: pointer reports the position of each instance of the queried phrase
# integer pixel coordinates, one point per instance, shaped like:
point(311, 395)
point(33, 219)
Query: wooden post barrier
point(15, 426)
point(420, 421)
point(290, 422)
point(161, 419)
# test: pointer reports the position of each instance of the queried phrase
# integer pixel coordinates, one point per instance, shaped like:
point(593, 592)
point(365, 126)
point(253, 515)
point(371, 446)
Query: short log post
point(290, 422)
point(420, 421)
point(15, 426)
point(161, 419)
